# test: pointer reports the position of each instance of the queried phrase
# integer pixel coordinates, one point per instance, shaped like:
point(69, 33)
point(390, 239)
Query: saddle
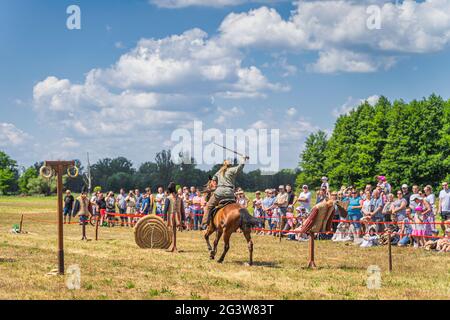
point(222, 203)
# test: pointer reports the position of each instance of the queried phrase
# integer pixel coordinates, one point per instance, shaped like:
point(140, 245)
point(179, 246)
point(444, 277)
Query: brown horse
point(226, 221)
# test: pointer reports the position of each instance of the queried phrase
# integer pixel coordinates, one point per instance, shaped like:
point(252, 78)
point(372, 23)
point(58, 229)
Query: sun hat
point(404, 186)
point(324, 178)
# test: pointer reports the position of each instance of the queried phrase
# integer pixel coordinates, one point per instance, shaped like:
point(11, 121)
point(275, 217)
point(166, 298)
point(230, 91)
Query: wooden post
point(389, 251)
point(96, 228)
point(21, 224)
point(59, 167)
point(59, 187)
point(311, 263)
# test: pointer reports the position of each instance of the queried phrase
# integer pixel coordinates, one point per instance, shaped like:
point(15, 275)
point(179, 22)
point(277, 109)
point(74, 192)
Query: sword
point(235, 152)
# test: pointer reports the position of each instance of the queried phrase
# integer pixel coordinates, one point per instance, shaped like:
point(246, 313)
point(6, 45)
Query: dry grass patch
point(115, 268)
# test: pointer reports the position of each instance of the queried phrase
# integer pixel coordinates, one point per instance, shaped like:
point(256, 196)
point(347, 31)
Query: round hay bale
point(152, 232)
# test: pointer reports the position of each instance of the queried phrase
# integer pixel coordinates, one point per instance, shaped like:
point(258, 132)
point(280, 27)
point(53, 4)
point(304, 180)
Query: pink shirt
point(197, 202)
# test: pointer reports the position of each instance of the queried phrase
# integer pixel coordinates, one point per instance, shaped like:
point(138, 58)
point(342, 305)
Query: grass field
point(115, 268)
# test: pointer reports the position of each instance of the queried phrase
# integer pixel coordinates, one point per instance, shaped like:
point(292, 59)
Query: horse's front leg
point(248, 237)
point(208, 232)
point(219, 233)
point(226, 247)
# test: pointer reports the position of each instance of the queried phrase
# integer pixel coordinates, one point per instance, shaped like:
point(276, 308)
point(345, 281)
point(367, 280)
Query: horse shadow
point(268, 264)
point(333, 267)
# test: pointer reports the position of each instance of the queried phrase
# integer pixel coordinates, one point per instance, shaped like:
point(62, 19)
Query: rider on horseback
point(225, 178)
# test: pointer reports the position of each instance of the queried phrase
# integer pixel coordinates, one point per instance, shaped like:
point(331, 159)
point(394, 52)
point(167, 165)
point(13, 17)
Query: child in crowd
point(197, 206)
point(187, 210)
point(110, 208)
point(258, 211)
point(160, 197)
point(274, 220)
point(418, 232)
point(406, 230)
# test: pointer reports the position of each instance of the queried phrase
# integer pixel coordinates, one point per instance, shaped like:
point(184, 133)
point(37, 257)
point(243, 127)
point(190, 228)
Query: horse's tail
point(247, 220)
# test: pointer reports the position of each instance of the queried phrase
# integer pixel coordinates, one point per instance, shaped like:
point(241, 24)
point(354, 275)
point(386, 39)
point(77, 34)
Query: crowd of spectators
point(408, 216)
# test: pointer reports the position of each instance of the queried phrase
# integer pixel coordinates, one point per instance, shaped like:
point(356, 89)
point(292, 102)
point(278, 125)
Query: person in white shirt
point(304, 199)
point(325, 184)
point(444, 204)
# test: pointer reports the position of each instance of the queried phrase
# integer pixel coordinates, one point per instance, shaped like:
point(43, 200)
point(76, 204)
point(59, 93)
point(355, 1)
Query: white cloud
point(70, 143)
point(159, 82)
point(352, 103)
point(227, 114)
point(119, 45)
point(260, 124)
point(11, 136)
point(335, 60)
point(291, 112)
point(335, 28)
point(175, 4)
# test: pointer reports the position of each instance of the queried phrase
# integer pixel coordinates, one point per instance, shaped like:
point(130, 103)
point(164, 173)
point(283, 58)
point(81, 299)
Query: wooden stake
point(21, 224)
point(389, 251)
point(96, 228)
point(311, 263)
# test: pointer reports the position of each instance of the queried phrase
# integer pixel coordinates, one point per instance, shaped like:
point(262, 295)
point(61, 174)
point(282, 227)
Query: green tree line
point(113, 174)
point(406, 142)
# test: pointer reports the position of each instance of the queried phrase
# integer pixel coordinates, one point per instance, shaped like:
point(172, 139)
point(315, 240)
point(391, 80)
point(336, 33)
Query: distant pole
point(311, 263)
point(89, 175)
point(389, 251)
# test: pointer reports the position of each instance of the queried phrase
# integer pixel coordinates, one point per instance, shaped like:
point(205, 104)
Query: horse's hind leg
point(226, 247)
point(219, 233)
point(209, 232)
point(250, 244)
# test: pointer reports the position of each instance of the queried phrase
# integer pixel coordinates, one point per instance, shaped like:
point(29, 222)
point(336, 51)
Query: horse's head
point(342, 208)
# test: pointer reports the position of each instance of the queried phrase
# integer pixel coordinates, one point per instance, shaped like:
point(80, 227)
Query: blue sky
point(138, 70)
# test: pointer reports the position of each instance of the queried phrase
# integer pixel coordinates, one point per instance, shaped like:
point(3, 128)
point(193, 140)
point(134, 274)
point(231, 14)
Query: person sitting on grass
point(405, 230)
point(371, 238)
point(442, 244)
